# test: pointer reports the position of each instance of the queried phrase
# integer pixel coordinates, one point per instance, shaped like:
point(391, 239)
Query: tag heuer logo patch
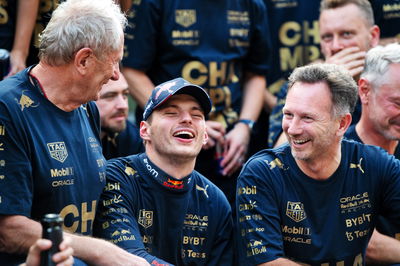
point(295, 211)
point(145, 218)
point(58, 151)
point(185, 17)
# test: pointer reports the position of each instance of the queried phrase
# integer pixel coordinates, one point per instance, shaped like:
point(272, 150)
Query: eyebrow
point(172, 105)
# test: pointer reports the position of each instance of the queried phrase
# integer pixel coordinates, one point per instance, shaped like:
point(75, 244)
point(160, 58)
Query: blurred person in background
point(119, 137)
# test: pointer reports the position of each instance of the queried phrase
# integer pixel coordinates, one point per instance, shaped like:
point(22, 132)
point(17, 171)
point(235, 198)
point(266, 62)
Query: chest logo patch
point(25, 102)
point(204, 189)
point(185, 17)
point(357, 165)
point(58, 151)
point(130, 171)
point(145, 218)
point(276, 163)
point(295, 211)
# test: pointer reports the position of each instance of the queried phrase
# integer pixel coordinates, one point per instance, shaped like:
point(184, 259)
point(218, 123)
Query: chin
point(190, 154)
point(94, 98)
point(117, 129)
point(300, 156)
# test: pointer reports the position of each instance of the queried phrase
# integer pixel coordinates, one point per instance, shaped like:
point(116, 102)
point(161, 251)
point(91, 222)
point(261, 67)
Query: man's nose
point(186, 116)
point(337, 45)
point(122, 101)
point(116, 72)
point(294, 127)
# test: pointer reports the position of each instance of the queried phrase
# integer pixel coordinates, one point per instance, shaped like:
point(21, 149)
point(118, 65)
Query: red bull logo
point(177, 184)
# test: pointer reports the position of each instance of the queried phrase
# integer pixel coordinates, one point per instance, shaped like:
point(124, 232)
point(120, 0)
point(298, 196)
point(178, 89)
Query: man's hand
point(235, 148)
point(216, 134)
point(352, 58)
point(383, 249)
point(64, 257)
point(17, 63)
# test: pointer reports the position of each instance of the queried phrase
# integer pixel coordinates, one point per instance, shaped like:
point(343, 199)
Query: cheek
point(104, 108)
point(285, 124)
point(389, 112)
point(360, 41)
point(102, 111)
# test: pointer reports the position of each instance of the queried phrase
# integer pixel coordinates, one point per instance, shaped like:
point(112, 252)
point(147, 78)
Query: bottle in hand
point(52, 230)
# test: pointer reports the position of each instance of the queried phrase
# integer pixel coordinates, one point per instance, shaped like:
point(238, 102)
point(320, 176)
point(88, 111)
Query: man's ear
point(144, 130)
point(364, 90)
point(375, 34)
point(205, 140)
point(83, 60)
point(344, 124)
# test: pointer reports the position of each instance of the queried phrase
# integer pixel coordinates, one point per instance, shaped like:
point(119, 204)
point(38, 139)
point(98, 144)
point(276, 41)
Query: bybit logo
point(114, 186)
point(247, 190)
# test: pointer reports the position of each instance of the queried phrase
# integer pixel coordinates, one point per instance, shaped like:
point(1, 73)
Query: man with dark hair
point(316, 199)
point(155, 204)
point(119, 136)
point(222, 46)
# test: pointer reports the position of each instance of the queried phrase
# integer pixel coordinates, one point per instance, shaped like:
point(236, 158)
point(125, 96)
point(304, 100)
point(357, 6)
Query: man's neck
point(323, 167)
point(369, 135)
point(57, 85)
point(175, 167)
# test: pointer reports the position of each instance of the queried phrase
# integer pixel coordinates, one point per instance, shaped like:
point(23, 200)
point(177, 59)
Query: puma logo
point(202, 189)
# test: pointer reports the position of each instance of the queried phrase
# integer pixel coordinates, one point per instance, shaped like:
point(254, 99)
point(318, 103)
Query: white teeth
point(299, 141)
point(184, 133)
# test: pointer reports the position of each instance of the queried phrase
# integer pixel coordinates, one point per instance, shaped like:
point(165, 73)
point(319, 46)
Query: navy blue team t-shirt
point(383, 225)
point(50, 160)
point(208, 43)
point(162, 219)
point(284, 213)
point(8, 13)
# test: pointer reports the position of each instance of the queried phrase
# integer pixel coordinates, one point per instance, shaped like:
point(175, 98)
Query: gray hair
point(363, 5)
point(377, 62)
point(341, 84)
point(75, 24)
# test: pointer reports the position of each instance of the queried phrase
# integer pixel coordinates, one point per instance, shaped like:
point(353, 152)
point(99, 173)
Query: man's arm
point(140, 85)
point(18, 233)
point(270, 100)
point(383, 249)
point(280, 262)
point(96, 251)
point(237, 140)
point(26, 17)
